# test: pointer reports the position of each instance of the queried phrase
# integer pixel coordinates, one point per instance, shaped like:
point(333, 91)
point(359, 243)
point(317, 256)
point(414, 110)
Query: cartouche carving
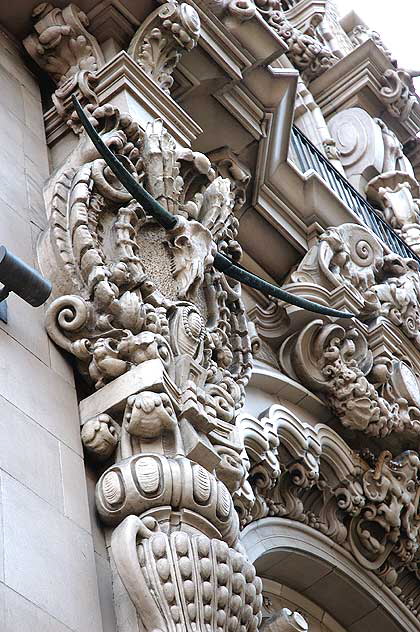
point(130, 296)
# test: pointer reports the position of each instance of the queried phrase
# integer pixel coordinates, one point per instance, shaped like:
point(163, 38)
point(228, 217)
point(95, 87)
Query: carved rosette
point(161, 40)
point(63, 47)
point(132, 297)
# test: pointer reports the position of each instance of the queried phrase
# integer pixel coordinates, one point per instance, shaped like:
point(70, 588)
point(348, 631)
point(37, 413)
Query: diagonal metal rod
point(169, 221)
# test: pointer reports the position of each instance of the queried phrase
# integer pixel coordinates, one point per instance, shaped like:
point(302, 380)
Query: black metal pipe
point(169, 221)
point(21, 279)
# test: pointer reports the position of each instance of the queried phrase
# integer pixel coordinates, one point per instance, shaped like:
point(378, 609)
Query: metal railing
point(309, 157)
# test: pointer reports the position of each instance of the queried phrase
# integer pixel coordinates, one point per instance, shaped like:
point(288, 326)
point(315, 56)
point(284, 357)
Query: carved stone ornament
point(161, 40)
point(62, 46)
point(397, 194)
point(305, 52)
point(398, 93)
point(285, 621)
point(139, 305)
point(375, 393)
point(367, 504)
point(361, 33)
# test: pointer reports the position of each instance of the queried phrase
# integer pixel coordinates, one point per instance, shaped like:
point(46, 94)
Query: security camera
point(21, 279)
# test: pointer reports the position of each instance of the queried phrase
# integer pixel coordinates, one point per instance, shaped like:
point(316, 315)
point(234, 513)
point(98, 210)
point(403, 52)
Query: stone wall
point(47, 565)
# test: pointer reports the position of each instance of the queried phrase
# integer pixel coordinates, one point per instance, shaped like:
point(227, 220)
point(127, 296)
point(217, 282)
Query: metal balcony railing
point(309, 157)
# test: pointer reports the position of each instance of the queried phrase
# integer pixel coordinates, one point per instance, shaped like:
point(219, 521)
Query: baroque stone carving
point(368, 504)
point(386, 285)
point(159, 43)
point(361, 33)
point(305, 52)
point(134, 299)
point(367, 147)
point(62, 46)
point(397, 194)
point(398, 93)
point(376, 394)
point(377, 398)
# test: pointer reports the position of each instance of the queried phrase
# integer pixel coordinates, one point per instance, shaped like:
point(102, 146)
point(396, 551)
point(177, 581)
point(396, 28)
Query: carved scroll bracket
point(161, 40)
point(63, 47)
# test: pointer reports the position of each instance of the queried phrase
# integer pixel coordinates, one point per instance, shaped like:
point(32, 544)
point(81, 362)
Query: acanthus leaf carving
point(62, 46)
point(161, 40)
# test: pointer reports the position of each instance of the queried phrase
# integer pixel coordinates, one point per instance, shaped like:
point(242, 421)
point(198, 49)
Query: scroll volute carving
point(159, 43)
point(132, 297)
point(64, 48)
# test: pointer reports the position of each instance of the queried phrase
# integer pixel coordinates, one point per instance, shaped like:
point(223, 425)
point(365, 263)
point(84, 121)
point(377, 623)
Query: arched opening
point(305, 561)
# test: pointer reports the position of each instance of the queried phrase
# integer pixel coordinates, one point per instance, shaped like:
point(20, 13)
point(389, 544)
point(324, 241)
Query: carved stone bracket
point(305, 52)
point(398, 93)
point(361, 33)
point(397, 194)
point(161, 40)
point(369, 385)
point(62, 46)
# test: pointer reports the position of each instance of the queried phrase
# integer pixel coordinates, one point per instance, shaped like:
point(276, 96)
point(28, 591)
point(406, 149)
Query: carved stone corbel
point(397, 194)
point(161, 40)
point(63, 47)
point(305, 52)
point(160, 338)
point(398, 93)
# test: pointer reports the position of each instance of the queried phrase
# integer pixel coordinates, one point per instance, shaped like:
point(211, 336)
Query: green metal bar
point(169, 221)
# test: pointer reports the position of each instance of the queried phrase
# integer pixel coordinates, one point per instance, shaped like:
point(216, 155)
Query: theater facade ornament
point(159, 43)
point(63, 47)
point(132, 298)
point(365, 503)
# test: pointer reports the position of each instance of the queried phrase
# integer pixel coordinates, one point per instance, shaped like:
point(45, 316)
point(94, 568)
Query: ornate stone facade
point(210, 412)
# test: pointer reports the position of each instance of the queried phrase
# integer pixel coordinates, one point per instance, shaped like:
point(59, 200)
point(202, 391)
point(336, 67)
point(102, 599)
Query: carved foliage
point(305, 52)
point(160, 41)
point(63, 47)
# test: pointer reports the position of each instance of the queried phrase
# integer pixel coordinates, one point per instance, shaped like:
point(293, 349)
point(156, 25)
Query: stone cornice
point(356, 81)
point(122, 81)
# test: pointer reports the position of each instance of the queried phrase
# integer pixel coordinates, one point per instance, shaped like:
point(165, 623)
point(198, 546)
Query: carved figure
point(131, 297)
